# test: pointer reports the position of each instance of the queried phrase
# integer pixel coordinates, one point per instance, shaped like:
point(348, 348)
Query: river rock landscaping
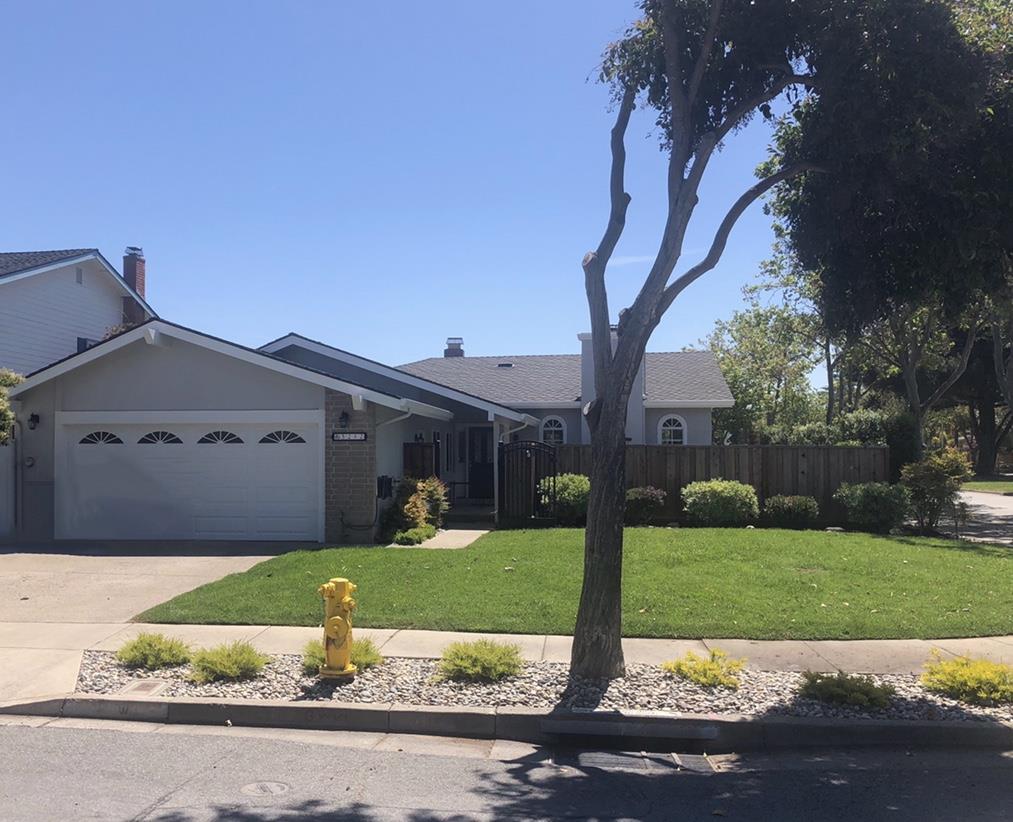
point(539, 685)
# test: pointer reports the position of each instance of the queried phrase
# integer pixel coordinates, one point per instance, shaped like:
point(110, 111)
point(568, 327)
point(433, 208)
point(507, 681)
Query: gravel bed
point(540, 685)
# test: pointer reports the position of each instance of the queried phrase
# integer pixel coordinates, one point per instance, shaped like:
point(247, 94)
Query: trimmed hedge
point(874, 506)
point(796, 512)
point(643, 505)
point(720, 503)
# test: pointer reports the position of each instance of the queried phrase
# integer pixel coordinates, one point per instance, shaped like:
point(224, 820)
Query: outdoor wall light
point(33, 422)
point(343, 420)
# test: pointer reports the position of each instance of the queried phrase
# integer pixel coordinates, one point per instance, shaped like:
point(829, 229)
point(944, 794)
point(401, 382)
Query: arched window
point(672, 430)
point(160, 438)
point(281, 436)
point(553, 431)
point(226, 437)
point(100, 438)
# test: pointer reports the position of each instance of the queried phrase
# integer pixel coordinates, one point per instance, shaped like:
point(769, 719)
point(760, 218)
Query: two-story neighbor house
point(56, 303)
point(165, 433)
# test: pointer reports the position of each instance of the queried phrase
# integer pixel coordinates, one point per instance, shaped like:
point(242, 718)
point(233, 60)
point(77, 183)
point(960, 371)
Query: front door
point(480, 479)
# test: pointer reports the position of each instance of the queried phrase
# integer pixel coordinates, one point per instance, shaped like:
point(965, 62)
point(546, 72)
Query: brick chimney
point(455, 347)
point(133, 276)
point(133, 268)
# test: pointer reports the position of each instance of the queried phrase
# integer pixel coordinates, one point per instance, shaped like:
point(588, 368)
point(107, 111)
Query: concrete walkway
point(40, 659)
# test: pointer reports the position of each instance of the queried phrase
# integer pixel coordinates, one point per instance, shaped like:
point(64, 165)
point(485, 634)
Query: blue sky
point(375, 175)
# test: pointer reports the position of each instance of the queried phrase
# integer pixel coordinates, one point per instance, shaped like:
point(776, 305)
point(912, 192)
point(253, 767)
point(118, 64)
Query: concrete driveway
point(108, 585)
point(991, 518)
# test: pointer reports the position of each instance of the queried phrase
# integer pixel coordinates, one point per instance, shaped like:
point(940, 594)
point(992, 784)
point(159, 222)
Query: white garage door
point(189, 481)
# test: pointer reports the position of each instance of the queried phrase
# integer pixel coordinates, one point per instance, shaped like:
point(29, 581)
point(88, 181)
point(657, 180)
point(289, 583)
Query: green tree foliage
point(8, 379)
point(766, 355)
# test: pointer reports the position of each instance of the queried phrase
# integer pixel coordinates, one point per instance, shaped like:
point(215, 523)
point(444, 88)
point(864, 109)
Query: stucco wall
point(571, 418)
point(699, 428)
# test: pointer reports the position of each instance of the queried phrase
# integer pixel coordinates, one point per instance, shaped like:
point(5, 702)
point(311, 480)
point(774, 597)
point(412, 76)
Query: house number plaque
point(348, 436)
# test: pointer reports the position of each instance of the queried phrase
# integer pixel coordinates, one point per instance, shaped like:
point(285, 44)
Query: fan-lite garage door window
point(187, 481)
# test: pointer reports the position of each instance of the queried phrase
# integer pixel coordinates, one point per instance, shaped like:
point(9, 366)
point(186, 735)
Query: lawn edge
point(709, 733)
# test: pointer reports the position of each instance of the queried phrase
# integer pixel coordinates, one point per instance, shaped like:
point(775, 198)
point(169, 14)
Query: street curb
point(710, 733)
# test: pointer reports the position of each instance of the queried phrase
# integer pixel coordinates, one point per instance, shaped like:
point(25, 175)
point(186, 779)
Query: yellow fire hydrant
point(338, 607)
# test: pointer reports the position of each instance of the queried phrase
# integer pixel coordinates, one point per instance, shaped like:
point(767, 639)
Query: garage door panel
point(188, 490)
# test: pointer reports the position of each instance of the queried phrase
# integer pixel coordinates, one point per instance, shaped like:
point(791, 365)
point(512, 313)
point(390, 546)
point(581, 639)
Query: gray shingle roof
point(14, 262)
point(672, 377)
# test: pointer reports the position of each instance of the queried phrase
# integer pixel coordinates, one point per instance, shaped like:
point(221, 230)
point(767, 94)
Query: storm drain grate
point(613, 760)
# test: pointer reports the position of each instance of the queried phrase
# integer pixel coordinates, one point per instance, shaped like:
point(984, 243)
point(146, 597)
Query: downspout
point(18, 479)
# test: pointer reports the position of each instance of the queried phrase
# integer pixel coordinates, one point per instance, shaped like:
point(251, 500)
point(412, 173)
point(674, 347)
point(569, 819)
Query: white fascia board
point(573, 404)
point(76, 361)
point(123, 285)
point(393, 373)
point(676, 404)
point(162, 329)
point(120, 282)
point(42, 269)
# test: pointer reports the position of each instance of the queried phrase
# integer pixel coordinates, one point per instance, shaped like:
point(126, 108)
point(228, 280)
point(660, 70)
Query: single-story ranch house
point(161, 432)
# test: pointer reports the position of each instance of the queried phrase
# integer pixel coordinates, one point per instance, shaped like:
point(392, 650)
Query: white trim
point(231, 350)
point(541, 427)
point(537, 405)
point(681, 420)
point(689, 403)
point(182, 417)
point(91, 255)
point(492, 408)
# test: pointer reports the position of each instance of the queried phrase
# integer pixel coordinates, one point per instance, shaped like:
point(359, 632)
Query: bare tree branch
point(958, 370)
point(706, 45)
point(595, 262)
point(734, 116)
point(727, 224)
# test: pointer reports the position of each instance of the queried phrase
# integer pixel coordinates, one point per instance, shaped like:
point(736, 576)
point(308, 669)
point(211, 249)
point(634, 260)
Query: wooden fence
point(815, 471)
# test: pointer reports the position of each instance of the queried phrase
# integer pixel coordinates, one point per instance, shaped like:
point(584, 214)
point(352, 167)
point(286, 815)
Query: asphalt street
point(76, 769)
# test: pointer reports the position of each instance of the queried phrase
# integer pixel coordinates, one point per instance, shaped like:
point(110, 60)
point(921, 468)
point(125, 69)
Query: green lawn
point(996, 485)
point(760, 584)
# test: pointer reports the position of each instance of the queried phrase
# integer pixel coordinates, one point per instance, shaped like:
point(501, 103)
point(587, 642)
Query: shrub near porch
point(706, 582)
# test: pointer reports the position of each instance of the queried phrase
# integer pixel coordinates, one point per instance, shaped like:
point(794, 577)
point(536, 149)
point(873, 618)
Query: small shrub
point(933, 484)
point(433, 493)
point(844, 689)
point(572, 491)
point(313, 657)
point(873, 506)
point(153, 651)
point(417, 503)
point(643, 505)
point(365, 655)
point(791, 512)
point(716, 671)
point(480, 661)
point(231, 661)
point(415, 536)
point(970, 680)
point(720, 502)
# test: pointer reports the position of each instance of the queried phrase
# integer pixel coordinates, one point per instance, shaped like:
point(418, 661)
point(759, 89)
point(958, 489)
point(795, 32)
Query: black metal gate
point(523, 500)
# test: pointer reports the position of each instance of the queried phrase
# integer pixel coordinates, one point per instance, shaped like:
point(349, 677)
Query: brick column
point(349, 473)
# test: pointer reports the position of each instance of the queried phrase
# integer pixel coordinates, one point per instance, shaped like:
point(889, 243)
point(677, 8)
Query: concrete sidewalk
point(41, 659)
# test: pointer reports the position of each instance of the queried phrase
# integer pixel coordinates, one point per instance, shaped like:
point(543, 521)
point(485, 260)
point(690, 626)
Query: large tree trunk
point(597, 641)
point(986, 434)
point(828, 358)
